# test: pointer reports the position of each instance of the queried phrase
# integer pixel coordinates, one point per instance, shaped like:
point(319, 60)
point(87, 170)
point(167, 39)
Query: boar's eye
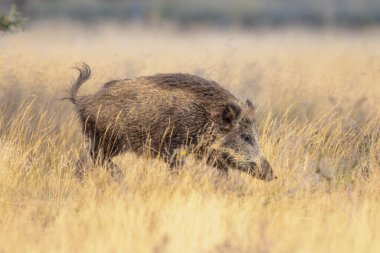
point(247, 138)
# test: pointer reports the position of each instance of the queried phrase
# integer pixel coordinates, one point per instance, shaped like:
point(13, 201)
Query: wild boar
point(168, 116)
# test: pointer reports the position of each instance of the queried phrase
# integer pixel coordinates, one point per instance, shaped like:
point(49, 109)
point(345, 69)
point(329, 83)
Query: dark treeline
point(350, 13)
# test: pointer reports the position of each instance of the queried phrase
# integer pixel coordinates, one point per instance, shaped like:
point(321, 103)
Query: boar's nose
point(266, 171)
point(262, 171)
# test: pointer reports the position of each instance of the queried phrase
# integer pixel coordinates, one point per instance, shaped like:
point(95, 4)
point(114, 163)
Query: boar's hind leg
point(81, 165)
point(91, 156)
point(84, 162)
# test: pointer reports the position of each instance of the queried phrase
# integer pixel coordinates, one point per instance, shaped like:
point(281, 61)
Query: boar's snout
point(262, 170)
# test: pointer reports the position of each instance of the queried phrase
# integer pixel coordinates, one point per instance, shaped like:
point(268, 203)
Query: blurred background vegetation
point(11, 21)
point(242, 13)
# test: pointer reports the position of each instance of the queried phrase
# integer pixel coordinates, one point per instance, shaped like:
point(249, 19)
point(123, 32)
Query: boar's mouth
point(251, 167)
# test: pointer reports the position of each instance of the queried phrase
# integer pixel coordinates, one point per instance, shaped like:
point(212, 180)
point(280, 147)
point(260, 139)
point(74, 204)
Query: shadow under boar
point(168, 115)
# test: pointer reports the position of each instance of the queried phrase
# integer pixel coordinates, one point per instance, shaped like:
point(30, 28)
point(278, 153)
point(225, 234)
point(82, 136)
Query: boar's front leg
point(115, 171)
point(177, 157)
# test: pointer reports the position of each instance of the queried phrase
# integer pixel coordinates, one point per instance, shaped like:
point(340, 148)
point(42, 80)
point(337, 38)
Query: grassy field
point(318, 99)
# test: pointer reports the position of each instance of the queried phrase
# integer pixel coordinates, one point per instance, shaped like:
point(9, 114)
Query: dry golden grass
point(318, 96)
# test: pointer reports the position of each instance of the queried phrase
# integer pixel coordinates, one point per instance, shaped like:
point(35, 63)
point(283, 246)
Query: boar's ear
point(250, 105)
point(230, 113)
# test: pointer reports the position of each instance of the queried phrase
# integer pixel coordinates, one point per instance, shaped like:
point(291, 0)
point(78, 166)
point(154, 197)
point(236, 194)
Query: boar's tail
point(84, 75)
